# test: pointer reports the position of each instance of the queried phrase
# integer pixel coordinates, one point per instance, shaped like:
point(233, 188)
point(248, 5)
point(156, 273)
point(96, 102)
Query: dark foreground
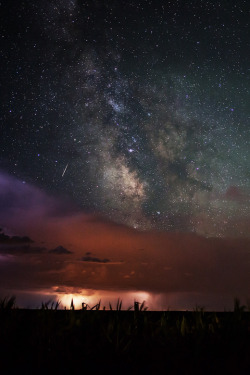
point(124, 342)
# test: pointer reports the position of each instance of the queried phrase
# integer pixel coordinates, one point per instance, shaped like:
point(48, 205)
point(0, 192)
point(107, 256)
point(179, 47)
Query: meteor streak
point(65, 170)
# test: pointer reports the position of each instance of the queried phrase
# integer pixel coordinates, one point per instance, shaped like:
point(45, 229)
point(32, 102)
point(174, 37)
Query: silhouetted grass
point(50, 340)
point(7, 303)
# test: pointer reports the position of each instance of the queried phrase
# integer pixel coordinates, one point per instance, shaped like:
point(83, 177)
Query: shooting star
point(65, 170)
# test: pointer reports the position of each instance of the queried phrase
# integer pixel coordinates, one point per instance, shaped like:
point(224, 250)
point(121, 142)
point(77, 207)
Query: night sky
point(135, 114)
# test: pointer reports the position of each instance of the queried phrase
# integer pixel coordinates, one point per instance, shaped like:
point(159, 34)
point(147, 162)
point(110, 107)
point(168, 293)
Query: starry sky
point(137, 112)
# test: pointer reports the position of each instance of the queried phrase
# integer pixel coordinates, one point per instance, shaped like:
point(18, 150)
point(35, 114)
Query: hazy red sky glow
point(169, 270)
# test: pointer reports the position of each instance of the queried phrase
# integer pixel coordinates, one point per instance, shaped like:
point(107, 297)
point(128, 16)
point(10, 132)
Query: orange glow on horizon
point(91, 298)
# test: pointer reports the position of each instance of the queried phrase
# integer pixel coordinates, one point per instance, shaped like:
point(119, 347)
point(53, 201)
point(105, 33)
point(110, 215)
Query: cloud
point(21, 249)
point(18, 245)
point(169, 264)
point(60, 250)
point(88, 258)
point(13, 240)
point(23, 204)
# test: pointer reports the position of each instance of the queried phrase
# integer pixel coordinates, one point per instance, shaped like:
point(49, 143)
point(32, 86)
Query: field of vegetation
point(51, 340)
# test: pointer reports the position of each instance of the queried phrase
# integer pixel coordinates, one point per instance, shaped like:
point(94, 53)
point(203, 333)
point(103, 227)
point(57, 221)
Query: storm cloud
point(157, 263)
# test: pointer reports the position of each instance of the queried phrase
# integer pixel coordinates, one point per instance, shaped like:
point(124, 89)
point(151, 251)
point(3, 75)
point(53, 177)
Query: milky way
point(138, 111)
